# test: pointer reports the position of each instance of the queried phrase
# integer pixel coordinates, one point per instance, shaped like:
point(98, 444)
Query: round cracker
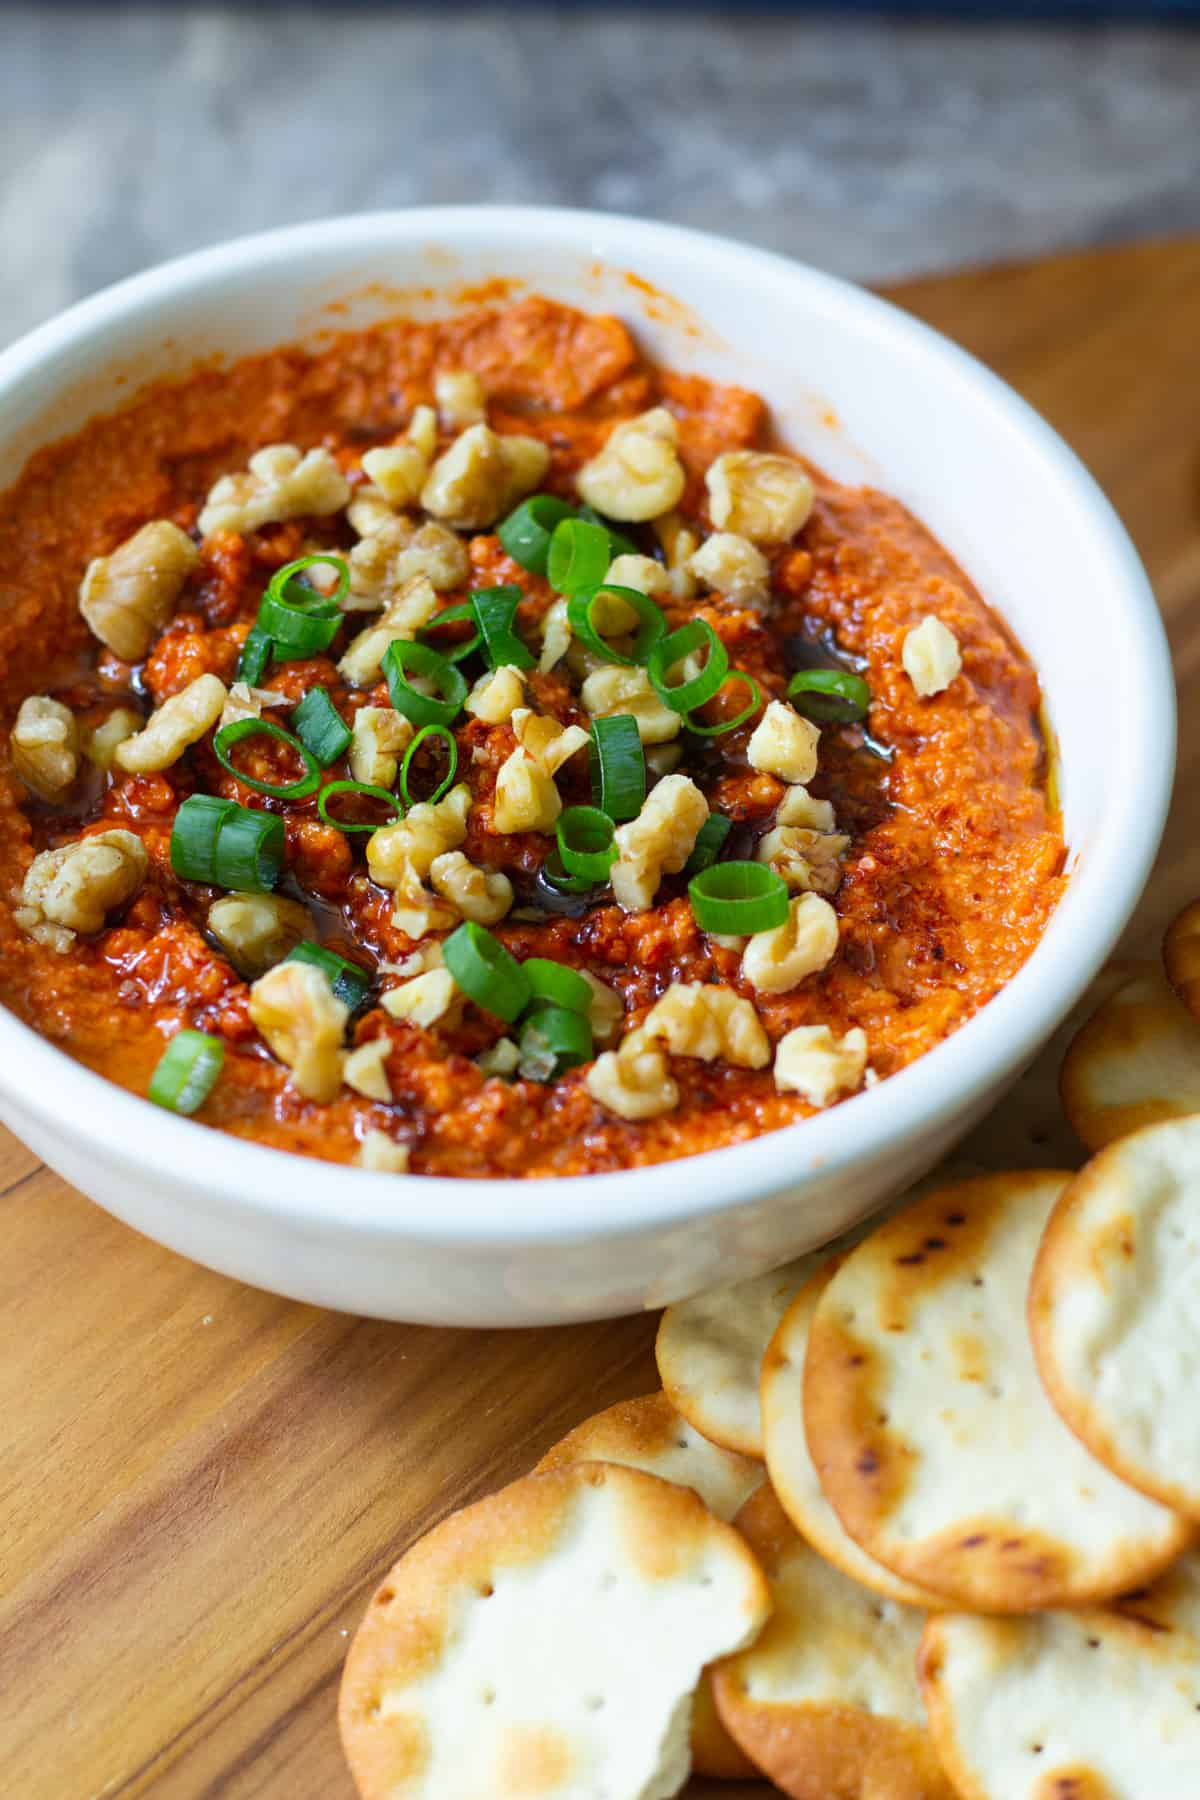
point(649, 1434)
point(790, 1467)
point(826, 1700)
point(1089, 1705)
point(1181, 957)
point(547, 1641)
point(710, 1349)
point(1114, 1310)
point(932, 1436)
point(1135, 1063)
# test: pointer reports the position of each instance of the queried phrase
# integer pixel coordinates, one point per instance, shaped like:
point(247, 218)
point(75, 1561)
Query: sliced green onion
point(557, 876)
point(618, 543)
point(495, 610)
point(830, 696)
point(557, 984)
point(652, 624)
point(485, 971)
point(299, 621)
point(454, 615)
point(256, 654)
point(554, 1039)
point(285, 583)
point(579, 555)
point(226, 845)
point(186, 1072)
point(733, 898)
point(585, 842)
point(685, 696)
point(423, 737)
point(526, 533)
point(618, 766)
point(747, 712)
point(228, 738)
point(350, 982)
point(709, 842)
point(402, 657)
point(320, 727)
point(349, 826)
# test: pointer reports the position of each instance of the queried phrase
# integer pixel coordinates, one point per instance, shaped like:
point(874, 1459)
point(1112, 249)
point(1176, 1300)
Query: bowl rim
point(286, 1187)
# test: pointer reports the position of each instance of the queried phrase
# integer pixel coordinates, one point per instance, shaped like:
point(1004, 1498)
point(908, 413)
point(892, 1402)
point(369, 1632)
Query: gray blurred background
point(875, 147)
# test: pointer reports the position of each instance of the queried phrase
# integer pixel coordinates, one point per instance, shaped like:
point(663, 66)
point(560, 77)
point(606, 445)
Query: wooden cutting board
point(200, 1484)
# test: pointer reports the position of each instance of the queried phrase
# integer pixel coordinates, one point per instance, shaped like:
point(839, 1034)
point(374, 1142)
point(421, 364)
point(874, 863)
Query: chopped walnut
point(256, 931)
point(127, 597)
point(500, 1058)
point(776, 961)
point(640, 572)
point(664, 759)
point(784, 744)
point(303, 1022)
point(546, 740)
point(423, 1000)
point(759, 495)
point(606, 1011)
point(526, 797)
point(364, 1070)
point(73, 889)
point(383, 1154)
point(694, 1018)
point(460, 398)
point(799, 808)
point(658, 842)
point(397, 472)
point(400, 856)
point(931, 657)
point(246, 702)
point(679, 543)
point(637, 474)
point(556, 636)
point(484, 895)
point(280, 482)
point(178, 722)
point(379, 738)
point(100, 744)
point(482, 475)
point(613, 689)
point(811, 1062)
point(733, 565)
point(401, 552)
point(412, 608)
point(809, 860)
point(634, 1083)
point(497, 695)
point(45, 746)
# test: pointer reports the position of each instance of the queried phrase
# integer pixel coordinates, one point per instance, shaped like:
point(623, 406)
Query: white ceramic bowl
point(869, 394)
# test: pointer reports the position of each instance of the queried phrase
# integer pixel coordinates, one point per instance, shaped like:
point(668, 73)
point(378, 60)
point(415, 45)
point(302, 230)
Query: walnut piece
point(246, 702)
point(732, 565)
point(810, 1061)
point(526, 798)
point(45, 746)
point(640, 572)
point(404, 616)
point(178, 722)
point(303, 1023)
point(556, 636)
point(695, 1018)
point(497, 695)
point(364, 1070)
point(383, 1154)
point(128, 596)
point(423, 1000)
point(280, 482)
point(808, 860)
point(606, 1011)
point(784, 744)
point(658, 842)
point(460, 398)
point(776, 961)
point(931, 657)
point(396, 472)
point(400, 552)
point(679, 543)
point(634, 1082)
point(799, 808)
point(378, 740)
point(73, 889)
point(484, 895)
point(400, 857)
point(758, 495)
point(256, 931)
point(637, 474)
point(100, 744)
point(612, 689)
point(481, 476)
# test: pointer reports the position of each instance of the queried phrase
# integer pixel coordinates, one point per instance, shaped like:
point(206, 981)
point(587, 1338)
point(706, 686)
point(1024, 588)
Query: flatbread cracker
point(790, 1466)
point(649, 1434)
point(929, 1427)
point(1114, 1310)
point(1135, 1063)
point(546, 1643)
point(826, 1701)
point(1088, 1705)
point(1181, 957)
point(710, 1350)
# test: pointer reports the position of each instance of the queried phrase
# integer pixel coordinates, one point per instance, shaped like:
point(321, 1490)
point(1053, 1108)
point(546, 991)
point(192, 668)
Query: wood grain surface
point(199, 1483)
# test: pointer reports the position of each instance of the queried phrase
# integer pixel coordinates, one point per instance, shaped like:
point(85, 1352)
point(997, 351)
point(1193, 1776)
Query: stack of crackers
point(909, 1520)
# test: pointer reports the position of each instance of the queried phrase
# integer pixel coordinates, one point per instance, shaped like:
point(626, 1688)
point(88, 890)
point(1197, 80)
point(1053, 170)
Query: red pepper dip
point(286, 852)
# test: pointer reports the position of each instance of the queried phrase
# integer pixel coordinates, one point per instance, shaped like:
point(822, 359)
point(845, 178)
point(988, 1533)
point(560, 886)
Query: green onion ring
point(229, 736)
point(357, 787)
point(320, 727)
point(651, 628)
point(186, 1072)
point(685, 696)
point(526, 533)
point(423, 736)
point(256, 654)
point(226, 845)
point(738, 898)
point(423, 709)
point(310, 600)
point(454, 615)
point(495, 610)
point(747, 712)
point(554, 1039)
point(485, 971)
point(195, 834)
point(299, 621)
point(830, 696)
point(709, 842)
point(618, 543)
point(556, 875)
point(618, 766)
point(557, 984)
point(579, 555)
point(350, 982)
point(585, 842)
